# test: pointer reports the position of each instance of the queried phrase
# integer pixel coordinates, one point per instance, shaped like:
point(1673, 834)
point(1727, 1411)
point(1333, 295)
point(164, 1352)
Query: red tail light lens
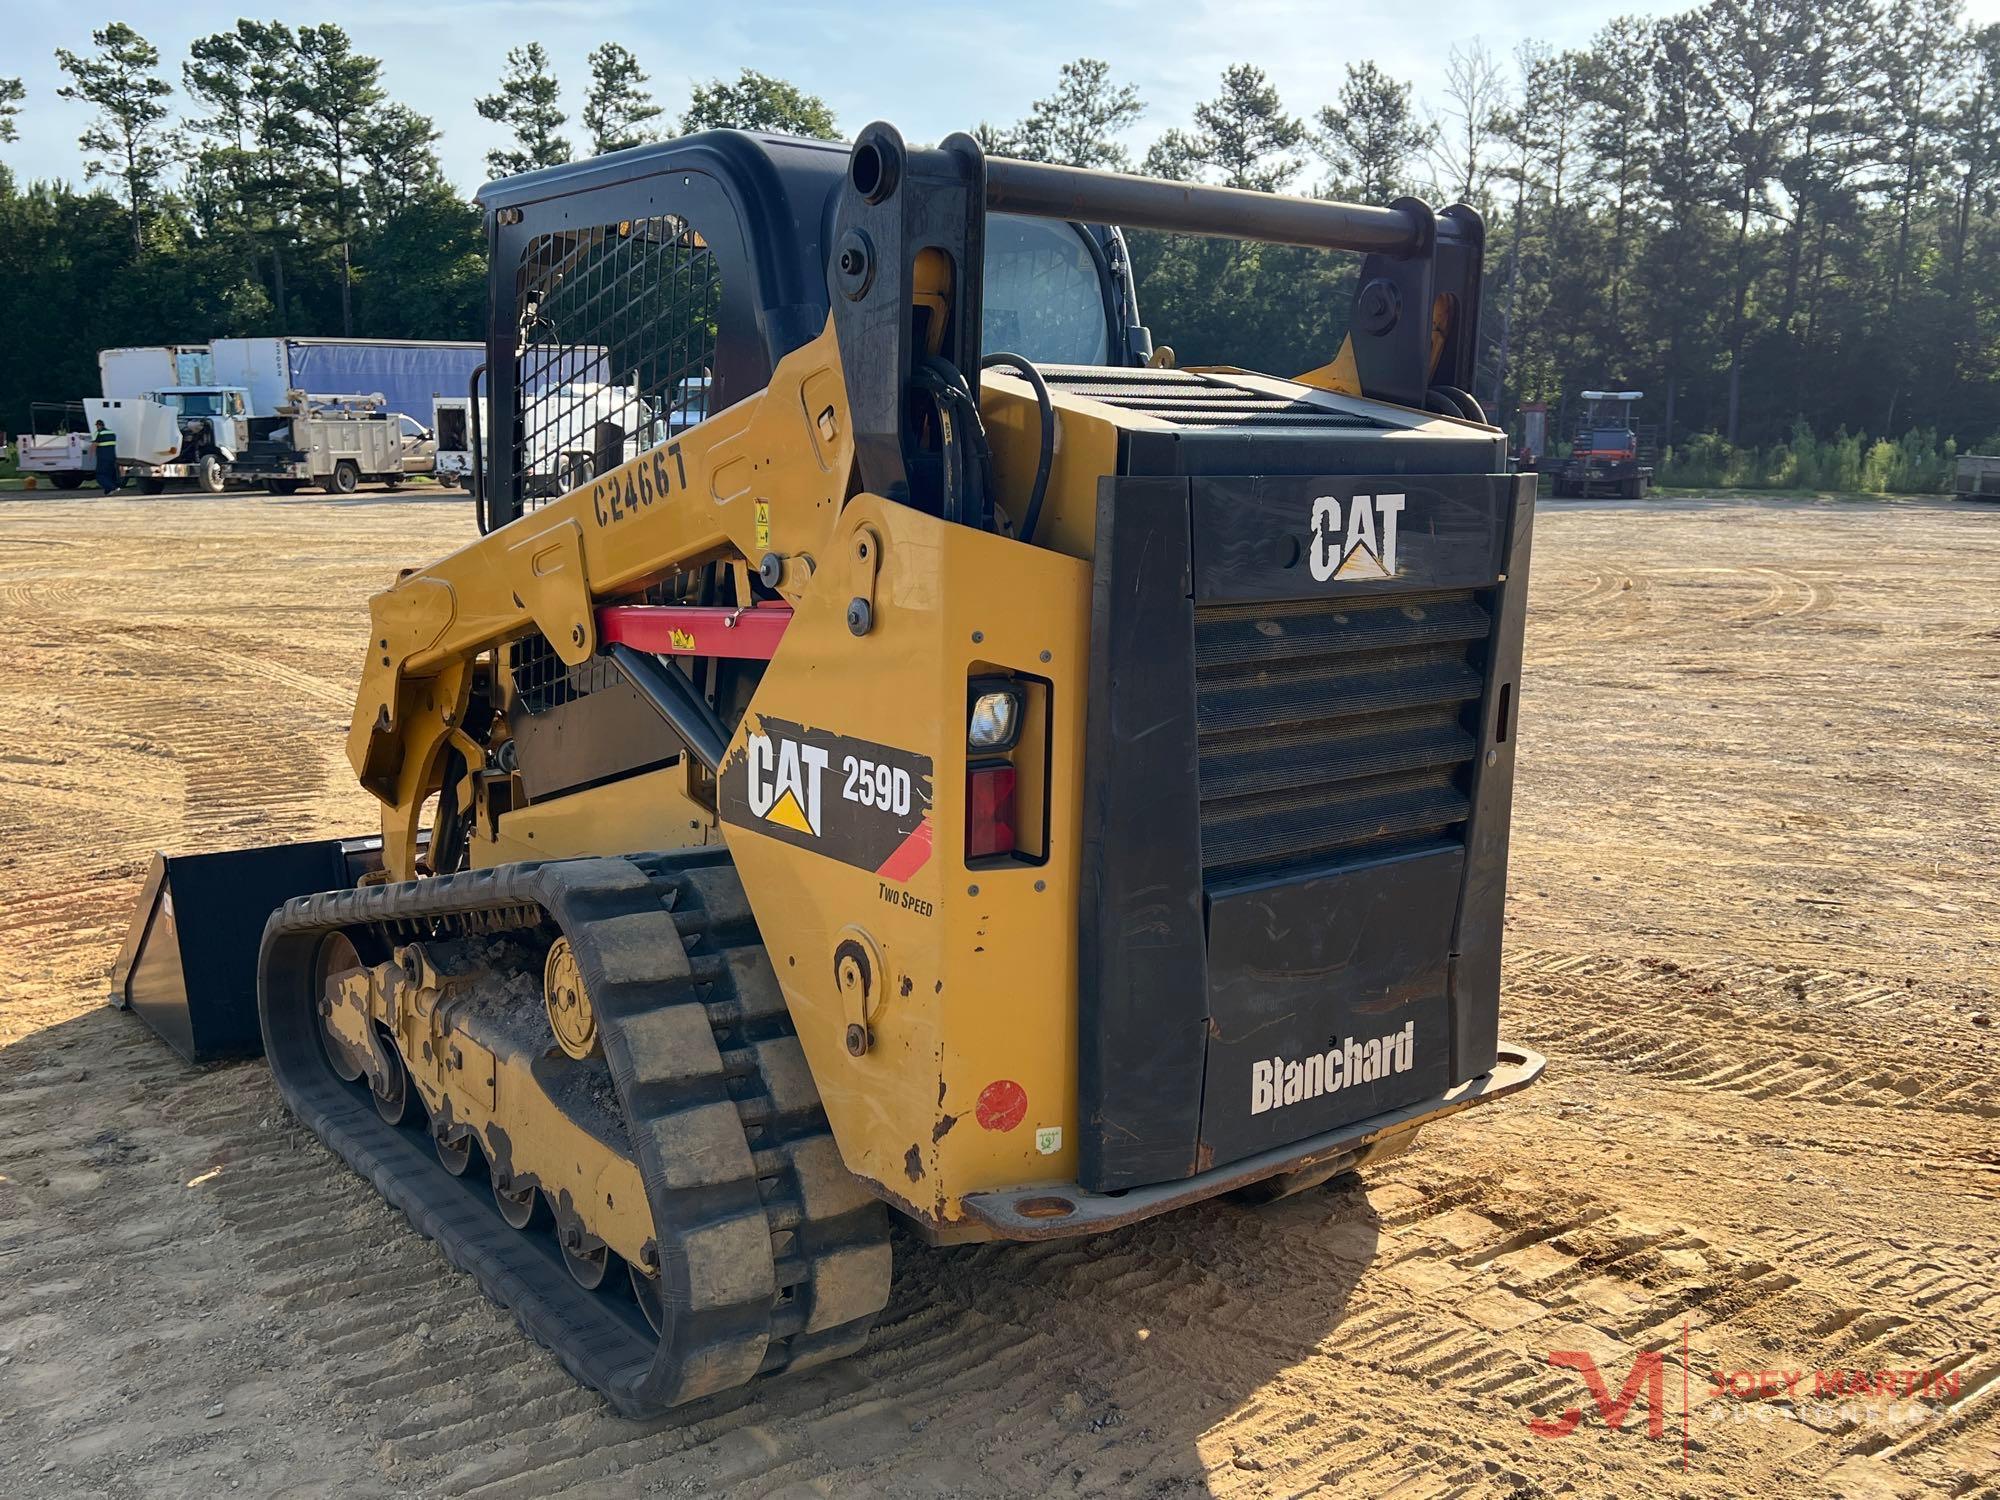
point(989, 811)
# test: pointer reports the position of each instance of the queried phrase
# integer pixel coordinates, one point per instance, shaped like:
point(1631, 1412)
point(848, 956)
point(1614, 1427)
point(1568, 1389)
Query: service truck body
point(184, 432)
point(337, 443)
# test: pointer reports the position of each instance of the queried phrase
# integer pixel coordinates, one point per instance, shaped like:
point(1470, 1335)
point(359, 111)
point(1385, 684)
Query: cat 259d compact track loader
point(857, 772)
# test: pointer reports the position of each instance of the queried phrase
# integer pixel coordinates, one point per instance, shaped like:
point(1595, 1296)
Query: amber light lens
point(989, 811)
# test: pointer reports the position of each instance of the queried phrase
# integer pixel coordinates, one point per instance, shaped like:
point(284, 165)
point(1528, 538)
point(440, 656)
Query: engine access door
point(1301, 756)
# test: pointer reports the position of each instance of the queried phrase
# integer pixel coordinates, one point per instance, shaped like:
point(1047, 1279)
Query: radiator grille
point(1198, 401)
point(1333, 730)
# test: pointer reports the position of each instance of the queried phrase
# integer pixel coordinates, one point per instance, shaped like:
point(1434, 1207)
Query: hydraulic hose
point(1027, 371)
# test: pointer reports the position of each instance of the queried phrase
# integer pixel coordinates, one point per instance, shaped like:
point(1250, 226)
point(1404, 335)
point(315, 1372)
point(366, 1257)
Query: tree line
point(1779, 218)
point(279, 189)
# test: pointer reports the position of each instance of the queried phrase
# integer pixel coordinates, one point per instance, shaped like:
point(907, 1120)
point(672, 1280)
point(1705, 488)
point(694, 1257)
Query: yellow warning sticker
point(763, 526)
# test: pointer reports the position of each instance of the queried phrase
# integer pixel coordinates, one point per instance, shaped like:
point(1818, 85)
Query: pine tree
point(1614, 131)
point(1077, 125)
point(129, 139)
point(1246, 135)
point(1369, 133)
point(618, 111)
point(334, 98)
point(239, 77)
point(11, 95)
point(1176, 155)
point(756, 101)
point(397, 159)
point(527, 105)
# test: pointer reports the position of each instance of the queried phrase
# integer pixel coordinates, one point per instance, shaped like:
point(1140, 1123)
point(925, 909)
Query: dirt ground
point(1753, 926)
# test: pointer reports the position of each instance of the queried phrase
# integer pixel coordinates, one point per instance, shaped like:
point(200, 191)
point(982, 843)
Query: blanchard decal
point(1356, 540)
point(861, 803)
point(1278, 1081)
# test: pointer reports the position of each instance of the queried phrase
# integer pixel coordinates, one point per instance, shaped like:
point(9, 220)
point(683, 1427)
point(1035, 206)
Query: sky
point(927, 67)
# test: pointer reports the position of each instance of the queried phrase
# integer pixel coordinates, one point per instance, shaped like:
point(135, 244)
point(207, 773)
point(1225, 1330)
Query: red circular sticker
point(1003, 1104)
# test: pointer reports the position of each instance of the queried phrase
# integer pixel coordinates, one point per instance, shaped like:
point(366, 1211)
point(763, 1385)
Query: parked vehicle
point(1978, 476)
point(1610, 456)
point(336, 442)
point(452, 424)
point(186, 432)
point(419, 444)
point(57, 443)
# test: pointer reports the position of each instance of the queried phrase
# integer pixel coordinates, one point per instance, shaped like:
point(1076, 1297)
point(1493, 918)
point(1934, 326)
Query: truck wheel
point(66, 481)
point(345, 479)
point(208, 474)
point(283, 486)
point(392, 481)
point(152, 486)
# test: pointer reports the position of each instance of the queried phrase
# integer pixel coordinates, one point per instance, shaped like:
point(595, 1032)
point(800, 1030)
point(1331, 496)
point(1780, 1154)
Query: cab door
point(419, 446)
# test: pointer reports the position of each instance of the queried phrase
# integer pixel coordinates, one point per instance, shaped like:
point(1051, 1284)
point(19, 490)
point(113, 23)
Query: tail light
point(989, 810)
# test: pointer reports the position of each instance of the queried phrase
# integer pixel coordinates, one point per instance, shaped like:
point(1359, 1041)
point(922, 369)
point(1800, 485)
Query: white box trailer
point(1978, 476)
point(137, 369)
point(452, 424)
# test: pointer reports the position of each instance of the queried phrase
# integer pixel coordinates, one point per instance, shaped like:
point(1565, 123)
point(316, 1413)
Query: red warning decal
point(1002, 1105)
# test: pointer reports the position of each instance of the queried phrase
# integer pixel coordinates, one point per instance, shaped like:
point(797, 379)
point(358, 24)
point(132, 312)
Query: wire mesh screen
point(543, 681)
point(616, 351)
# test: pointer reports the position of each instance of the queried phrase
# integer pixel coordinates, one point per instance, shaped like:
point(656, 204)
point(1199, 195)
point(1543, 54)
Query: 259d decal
point(864, 804)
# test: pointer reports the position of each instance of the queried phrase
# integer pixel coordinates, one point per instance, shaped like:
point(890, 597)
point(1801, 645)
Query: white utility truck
point(336, 442)
point(182, 432)
point(57, 446)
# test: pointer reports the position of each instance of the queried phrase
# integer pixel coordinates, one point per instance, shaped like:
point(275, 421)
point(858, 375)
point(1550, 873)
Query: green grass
point(1914, 464)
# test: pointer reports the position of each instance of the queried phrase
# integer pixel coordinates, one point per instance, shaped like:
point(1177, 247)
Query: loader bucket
point(189, 965)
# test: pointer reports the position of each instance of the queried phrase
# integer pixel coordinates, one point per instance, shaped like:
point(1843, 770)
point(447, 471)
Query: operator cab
point(1057, 292)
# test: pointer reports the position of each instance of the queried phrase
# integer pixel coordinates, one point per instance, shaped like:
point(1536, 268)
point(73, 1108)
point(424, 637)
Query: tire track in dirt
point(1606, 584)
point(1792, 595)
point(1758, 1031)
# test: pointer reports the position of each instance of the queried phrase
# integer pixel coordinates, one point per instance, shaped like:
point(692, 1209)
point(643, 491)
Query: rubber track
point(772, 1255)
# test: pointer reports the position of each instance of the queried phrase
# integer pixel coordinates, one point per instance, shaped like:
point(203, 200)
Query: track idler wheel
point(336, 957)
point(571, 1016)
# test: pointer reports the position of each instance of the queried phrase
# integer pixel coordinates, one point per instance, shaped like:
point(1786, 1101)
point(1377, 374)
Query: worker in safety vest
point(106, 445)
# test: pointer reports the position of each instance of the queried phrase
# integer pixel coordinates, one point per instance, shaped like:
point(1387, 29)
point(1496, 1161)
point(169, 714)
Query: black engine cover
point(1295, 830)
